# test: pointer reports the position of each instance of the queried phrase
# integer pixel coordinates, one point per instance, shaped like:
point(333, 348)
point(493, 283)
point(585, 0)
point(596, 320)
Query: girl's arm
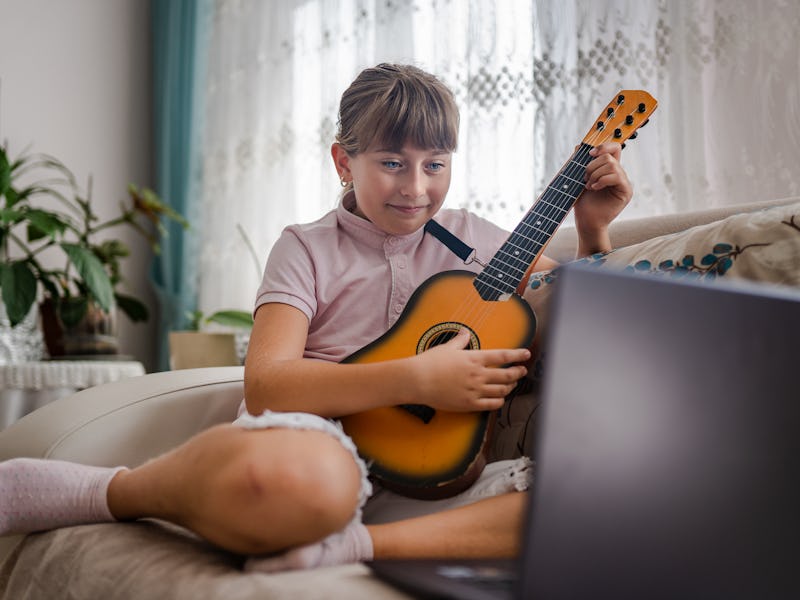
point(278, 378)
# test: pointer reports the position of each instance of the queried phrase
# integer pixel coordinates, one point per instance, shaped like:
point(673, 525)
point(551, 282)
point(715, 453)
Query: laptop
point(668, 454)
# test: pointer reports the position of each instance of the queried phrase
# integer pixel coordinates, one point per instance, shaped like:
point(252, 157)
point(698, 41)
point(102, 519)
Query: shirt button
point(398, 308)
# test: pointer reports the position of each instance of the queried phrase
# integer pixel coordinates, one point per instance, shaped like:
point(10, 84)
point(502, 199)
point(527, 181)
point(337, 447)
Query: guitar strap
point(456, 246)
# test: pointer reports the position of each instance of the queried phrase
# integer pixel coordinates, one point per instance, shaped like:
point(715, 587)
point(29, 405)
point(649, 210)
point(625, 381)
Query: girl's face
point(398, 191)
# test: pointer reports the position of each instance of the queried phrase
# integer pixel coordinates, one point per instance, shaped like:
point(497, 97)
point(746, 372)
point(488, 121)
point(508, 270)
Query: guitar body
point(415, 450)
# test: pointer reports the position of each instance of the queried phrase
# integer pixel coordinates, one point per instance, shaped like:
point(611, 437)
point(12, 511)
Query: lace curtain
point(530, 78)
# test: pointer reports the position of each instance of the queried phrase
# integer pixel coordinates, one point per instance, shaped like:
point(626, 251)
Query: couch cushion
point(153, 559)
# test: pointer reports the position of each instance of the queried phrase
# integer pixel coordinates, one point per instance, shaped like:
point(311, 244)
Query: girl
point(283, 482)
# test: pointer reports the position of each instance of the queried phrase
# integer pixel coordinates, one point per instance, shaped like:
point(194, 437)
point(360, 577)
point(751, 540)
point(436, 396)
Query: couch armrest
point(125, 422)
point(130, 421)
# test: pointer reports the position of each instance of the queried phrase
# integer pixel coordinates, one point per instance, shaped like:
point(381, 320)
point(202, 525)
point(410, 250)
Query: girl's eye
point(437, 166)
point(391, 164)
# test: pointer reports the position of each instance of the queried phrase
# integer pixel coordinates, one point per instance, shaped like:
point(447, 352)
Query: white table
point(24, 387)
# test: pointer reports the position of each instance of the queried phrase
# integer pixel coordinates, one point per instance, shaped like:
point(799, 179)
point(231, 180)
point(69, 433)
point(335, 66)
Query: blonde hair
point(389, 105)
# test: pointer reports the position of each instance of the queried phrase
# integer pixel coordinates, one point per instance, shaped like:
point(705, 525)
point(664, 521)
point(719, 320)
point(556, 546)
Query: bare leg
point(486, 529)
point(249, 491)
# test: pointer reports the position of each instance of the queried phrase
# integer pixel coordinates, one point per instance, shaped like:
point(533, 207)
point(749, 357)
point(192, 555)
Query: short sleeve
point(289, 277)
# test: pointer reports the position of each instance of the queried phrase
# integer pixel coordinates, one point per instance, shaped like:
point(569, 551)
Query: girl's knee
point(310, 476)
point(265, 490)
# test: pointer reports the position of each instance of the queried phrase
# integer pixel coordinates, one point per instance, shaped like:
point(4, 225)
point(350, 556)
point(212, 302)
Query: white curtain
point(530, 78)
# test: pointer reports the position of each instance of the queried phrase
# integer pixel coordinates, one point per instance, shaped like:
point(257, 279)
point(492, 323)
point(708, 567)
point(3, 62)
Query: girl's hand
point(608, 191)
point(448, 377)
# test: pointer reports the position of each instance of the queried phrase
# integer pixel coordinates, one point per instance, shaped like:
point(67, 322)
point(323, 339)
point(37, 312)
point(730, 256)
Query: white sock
point(38, 494)
point(351, 544)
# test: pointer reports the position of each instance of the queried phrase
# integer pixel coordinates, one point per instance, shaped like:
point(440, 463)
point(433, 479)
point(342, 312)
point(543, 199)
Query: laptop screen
point(669, 446)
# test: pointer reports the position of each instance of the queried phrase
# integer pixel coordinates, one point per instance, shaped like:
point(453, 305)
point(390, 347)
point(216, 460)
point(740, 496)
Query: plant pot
point(95, 334)
point(195, 349)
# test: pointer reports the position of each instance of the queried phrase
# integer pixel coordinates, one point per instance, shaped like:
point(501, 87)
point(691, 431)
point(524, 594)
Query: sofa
point(130, 421)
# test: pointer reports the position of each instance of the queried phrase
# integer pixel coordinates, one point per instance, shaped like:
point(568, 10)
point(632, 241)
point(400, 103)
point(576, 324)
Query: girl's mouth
point(407, 210)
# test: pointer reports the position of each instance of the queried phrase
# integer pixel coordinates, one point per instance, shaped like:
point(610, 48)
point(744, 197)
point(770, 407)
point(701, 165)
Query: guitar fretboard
point(508, 266)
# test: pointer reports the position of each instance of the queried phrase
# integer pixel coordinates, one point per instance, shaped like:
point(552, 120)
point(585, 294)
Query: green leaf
point(9, 215)
point(5, 173)
point(135, 310)
point(18, 284)
point(14, 196)
point(110, 249)
point(147, 202)
point(93, 274)
point(232, 318)
point(50, 286)
point(72, 310)
point(194, 317)
point(44, 224)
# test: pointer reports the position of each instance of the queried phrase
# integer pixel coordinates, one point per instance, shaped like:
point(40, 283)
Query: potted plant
point(79, 295)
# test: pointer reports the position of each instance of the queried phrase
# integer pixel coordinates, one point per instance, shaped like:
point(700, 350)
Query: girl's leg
point(42, 494)
point(247, 490)
point(488, 528)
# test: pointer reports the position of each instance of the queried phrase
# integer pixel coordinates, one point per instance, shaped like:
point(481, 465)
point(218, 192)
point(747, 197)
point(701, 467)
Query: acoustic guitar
point(425, 453)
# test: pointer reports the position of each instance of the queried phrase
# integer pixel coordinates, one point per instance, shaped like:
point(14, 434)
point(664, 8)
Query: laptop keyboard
point(484, 577)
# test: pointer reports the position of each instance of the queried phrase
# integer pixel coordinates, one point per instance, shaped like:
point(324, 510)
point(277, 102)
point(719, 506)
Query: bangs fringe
point(412, 114)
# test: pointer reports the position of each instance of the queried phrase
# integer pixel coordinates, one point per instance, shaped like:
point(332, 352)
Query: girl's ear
point(341, 160)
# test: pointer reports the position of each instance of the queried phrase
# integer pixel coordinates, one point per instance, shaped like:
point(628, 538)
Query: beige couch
point(130, 421)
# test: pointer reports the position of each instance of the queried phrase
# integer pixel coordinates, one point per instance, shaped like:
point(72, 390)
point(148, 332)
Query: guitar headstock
point(629, 110)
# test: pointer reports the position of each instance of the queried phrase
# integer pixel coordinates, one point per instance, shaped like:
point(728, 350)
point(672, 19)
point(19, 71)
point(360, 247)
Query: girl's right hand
point(448, 377)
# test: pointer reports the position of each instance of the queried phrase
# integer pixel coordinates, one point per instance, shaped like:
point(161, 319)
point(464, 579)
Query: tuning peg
point(622, 146)
point(618, 133)
point(600, 125)
point(621, 99)
point(633, 135)
point(629, 120)
point(645, 123)
point(610, 112)
point(641, 107)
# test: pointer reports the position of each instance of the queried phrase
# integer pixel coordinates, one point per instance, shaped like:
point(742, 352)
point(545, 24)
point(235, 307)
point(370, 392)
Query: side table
point(24, 387)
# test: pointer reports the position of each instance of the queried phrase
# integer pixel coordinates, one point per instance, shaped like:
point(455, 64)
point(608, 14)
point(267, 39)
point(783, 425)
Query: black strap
point(459, 248)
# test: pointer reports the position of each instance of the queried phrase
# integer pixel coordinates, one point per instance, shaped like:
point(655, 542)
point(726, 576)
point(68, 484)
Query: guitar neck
point(508, 266)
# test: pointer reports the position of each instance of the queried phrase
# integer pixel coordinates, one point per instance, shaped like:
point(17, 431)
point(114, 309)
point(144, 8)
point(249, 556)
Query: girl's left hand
point(608, 191)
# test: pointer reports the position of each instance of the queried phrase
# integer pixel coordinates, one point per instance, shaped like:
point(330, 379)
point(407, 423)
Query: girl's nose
point(413, 185)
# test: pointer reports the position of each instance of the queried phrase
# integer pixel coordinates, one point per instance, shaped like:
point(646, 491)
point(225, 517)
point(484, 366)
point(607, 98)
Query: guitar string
point(475, 310)
point(553, 205)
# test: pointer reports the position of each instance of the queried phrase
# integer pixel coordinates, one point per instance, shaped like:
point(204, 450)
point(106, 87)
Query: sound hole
point(443, 333)
point(436, 335)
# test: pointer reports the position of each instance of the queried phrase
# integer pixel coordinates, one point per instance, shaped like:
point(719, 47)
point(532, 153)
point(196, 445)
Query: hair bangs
point(389, 106)
point(412, 114)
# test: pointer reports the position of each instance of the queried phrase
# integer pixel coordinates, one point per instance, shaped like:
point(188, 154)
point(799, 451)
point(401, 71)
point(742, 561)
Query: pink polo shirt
point(352, 280)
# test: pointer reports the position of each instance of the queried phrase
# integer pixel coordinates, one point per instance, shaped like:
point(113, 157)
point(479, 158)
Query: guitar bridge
point(422, 412)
